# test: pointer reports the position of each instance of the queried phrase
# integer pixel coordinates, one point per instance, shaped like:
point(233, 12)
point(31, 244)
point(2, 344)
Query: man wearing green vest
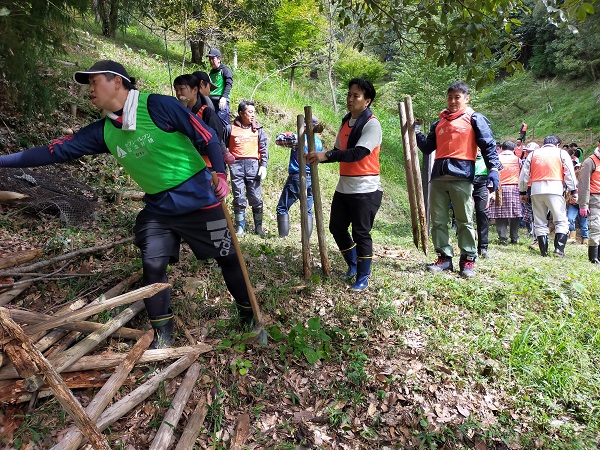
point(222, 77)
point(481, 201)
point(158, 142)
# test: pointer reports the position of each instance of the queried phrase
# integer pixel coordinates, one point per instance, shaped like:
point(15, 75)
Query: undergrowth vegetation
point(510, 359)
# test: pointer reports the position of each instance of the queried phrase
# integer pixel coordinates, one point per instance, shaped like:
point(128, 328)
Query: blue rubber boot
point(363, 272)
point(350, 258)
point(240, 223)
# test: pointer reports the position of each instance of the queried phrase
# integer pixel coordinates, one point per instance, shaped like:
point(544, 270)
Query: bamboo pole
point(130, 297)
point(56, 383)
point(31, 317)
point(72, 439)
point(109, 360)
point(410, 117)
point(192, 429)
point(305, 239)
point(165, 432)
point(410, 182)
point(89, 343)
point(317, 200)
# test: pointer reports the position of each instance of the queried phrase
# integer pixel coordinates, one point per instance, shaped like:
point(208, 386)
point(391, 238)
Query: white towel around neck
point(129, 111)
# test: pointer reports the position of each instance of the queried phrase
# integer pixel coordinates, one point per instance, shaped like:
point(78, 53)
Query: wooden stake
point(89, 343)
point(165, 432)
point(130, 297)
point(242, 429)
point(72, 439)
point(410, 183)
point(417, 174)
point(304, 237)
point(31, 317)
point(108, 360)
point(192, 429)
point(63, 394)
point(317, 201)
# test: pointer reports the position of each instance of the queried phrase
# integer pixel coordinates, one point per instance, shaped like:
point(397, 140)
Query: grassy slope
point(517, 350)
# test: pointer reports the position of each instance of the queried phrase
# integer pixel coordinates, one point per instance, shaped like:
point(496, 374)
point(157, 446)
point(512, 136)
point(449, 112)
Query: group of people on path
point(168, 149)
point(172, 149)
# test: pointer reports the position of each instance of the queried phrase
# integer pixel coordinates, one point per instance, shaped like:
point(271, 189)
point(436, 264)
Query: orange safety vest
point(204, 157)
point(546, 165)
point(456, 139)
point(519, 152)
point(243, 142)
point(510, 173)
point(595, 177)
point(524, 127)
point(369, 165)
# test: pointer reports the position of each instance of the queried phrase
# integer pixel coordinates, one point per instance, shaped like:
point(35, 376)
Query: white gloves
point(222, 103)
point(262, 173)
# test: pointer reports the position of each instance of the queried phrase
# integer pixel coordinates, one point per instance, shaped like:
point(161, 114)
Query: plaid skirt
point(511, 204)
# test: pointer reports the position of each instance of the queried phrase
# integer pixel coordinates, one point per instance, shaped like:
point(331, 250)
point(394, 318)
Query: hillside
point(509, 360)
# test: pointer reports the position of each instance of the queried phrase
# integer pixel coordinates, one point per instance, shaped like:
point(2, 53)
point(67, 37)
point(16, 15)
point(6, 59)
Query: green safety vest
point(217, 79)
point(155, 159)
point(480, 167)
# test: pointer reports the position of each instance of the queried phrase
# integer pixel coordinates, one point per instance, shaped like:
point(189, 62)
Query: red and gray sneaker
point(443, 263)
point(467, 266)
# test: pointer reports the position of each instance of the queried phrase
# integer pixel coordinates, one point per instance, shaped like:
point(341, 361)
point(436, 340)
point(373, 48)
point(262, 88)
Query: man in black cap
point(158, 142)
point(222, 77)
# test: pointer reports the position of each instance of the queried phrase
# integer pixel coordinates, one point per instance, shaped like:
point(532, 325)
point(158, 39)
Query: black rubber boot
point(246, 316)
point(258, 221)
point(543, 244)
point(283, 225)
point(363, 272)
point(240, 223)
point(560, 243)
point(350, 258)
point(593, 254)
point(164, 330)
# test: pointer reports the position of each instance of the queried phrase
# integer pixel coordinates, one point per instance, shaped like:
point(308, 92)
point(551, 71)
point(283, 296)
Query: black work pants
point(480, 197)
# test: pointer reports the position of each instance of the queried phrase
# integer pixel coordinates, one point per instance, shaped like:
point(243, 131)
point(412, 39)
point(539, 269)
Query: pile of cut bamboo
point(43, 355)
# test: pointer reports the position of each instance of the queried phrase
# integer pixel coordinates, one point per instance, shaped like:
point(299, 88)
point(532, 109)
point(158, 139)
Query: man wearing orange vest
point(358, 193)
point(455, 139)
point(589, 201)
point(519, 150)
point(550, 169)
point(248, 144)
point(523, 131)
point(509, 213)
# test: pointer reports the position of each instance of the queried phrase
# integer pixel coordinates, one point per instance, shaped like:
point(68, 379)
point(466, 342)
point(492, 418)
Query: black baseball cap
point(203, 76)
point(104, 66)
point(214, 52)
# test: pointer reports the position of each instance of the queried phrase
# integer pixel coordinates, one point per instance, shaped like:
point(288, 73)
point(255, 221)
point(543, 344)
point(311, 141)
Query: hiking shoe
point(467, 266)
point(443, 263)
point(503, 241)
point(483, 253)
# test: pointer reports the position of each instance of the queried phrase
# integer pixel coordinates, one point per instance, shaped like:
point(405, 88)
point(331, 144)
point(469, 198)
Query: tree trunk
point(293, 78)
point(107, 12)
point(197, 49)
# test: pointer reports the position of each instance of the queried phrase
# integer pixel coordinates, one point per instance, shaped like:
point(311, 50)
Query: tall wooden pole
point(305, 238)
point(317, 201)
point(417, 173)
point(410, 183)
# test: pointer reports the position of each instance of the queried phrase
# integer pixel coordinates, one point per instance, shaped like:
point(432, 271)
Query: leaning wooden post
point(410, 183)
point(165, 432)
point(316, 190)
point(193, 427)
point(305, 238)
point(417, 173)
point(73, 437)
point(34, 361)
